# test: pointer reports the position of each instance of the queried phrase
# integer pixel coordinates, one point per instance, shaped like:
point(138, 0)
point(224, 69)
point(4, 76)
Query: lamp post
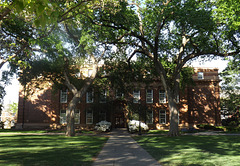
point(140, 128)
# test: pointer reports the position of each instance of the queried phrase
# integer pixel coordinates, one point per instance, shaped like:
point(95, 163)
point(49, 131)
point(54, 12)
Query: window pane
point(162, 117)
point(77, 116)
point(136, 96)
point(63, 96)
point(103, 96)
point(149, 96)
point(150, 117)
point(89, 117)
point(90, 96)
point(162, 96)
point(63, 117)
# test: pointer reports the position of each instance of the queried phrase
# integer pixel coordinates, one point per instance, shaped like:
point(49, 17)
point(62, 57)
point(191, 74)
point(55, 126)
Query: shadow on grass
point(49, 150)
point(193, 150)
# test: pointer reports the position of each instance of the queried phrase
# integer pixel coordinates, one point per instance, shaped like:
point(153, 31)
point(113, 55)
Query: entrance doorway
point(119, 120)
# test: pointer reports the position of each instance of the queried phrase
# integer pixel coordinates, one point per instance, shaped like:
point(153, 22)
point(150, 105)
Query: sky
point(13, 89)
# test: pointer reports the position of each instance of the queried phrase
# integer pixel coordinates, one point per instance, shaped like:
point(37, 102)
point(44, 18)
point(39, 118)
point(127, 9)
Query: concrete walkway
point(122, 150)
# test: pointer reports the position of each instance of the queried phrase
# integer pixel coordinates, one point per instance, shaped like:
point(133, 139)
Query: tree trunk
point(173, 131)
point(70, 131)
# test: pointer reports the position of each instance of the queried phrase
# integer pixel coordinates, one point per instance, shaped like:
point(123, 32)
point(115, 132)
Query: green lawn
point(193, 150)
point(49, 149)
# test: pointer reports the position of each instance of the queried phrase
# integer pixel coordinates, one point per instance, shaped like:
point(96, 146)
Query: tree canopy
point(169, 33)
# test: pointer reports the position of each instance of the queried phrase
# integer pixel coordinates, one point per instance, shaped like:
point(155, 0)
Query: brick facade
point(198, 104)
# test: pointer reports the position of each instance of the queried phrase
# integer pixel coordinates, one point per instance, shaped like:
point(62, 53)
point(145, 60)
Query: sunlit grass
point(49, 149)
point(193, 150)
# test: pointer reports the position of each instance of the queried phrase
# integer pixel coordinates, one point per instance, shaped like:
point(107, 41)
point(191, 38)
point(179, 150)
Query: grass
point(49, 149)
point(43, 131)
point(157, 132)
point(193, 150)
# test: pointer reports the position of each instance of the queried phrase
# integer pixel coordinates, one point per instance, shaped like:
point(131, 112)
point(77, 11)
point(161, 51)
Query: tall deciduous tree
point(170, 31)
point(44, 16)
point(62, 55)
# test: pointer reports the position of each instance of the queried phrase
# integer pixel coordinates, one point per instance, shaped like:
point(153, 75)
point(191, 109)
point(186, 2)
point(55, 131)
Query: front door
point(119, 120)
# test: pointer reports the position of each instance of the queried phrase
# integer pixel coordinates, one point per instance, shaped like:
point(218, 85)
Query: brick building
point(198, 104)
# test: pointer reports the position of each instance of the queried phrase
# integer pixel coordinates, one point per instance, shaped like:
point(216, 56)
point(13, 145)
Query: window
point(89, 97)
point(200, 75)
point(162, 96)
point(136, 96)
point(103, 96)
point(63, 117)
point(77, 116)
point(102, 116)
point(90, 72)
point(89, 116)
point(119, 94)
point(149, 117)
point(63, 96)
point(162, 117)
point(149, 96)
point(177, 98)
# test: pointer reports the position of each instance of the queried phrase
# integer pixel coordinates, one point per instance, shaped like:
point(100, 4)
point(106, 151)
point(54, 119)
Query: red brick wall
point(199, 104)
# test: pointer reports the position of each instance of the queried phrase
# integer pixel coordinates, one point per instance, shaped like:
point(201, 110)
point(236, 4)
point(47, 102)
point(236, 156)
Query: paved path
point(122, 150)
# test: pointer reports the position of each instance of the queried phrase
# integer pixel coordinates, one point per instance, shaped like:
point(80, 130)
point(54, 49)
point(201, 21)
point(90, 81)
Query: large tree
point(45, 16)
point(169, 31)
point(61, 58)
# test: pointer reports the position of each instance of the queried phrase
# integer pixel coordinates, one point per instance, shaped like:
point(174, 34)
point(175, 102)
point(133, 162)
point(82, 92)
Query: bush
point(209, 127)
point(103, 126)
point(133, 126)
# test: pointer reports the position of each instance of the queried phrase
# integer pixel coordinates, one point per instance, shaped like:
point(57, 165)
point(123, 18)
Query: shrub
point(133, 126)
point(103, 126)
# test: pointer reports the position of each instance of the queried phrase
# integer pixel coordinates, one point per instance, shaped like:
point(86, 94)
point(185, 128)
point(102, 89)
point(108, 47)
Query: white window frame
point(119, 94)
point(90, 92)
point(103, 96)
point(150, 121)
point(63, 117)
point(162, 117)
point(136, 96)
point(149, 96)
point(77, 116)
point(200, 75)
point(89, 117)
point(63, 96)
point(162, 96)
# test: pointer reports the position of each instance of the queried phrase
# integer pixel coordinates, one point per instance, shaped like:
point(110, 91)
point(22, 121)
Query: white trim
point(89, 116)
point(162, 96)
point(90, 92)
point(149, 96)
point(162, 117)
point(136, 96)
point(63, 96)
point(77, 116)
